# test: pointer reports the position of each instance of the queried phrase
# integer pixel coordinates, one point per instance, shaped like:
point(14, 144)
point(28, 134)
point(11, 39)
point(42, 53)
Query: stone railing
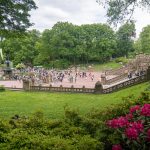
point(118, 71)
point(126, 84)
point(62, 89)
point(116, 79)
point(98, 86)
point(141, 61)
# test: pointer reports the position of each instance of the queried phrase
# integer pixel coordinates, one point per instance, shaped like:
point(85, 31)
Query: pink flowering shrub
point(117, 147)
point(148, 135)
point(131, 133)
point(118, 123)
point(133, 129)
point(134, 109)
point(145, 110)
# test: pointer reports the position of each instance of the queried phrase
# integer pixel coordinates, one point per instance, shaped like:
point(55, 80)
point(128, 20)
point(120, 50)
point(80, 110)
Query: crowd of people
point(39, 76)
point(71, 76)
point(136, 74)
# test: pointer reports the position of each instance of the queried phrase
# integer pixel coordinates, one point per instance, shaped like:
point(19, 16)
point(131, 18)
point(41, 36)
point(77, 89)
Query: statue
point(7, 69)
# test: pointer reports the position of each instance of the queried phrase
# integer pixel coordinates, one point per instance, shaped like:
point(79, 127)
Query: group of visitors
point(39, 76)
point(136, 74)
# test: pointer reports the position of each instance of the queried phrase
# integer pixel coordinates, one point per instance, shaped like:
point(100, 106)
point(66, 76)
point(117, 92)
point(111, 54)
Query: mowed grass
point(52, 104)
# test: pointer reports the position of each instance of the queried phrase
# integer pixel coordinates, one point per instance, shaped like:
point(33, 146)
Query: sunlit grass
point(52, 104)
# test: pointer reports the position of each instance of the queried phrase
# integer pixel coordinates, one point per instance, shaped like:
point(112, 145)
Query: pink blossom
point(148, 135)
point(131, 133)
point(113, 123)
point(134, 108)
point(129, 116)
point(116, 147)
point(118, 123)
point(145, 110)
point(137, 125)
point(122, 121)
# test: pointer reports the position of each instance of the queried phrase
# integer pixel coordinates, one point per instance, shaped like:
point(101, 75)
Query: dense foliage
point(72, 132)
point(14, 16)
point(2, 88)
point(124, 39)
point(22, 49)
point(67, 44)
point(143, 43)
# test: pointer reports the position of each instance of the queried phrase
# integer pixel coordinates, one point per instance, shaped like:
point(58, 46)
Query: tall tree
point(14, 15)
point(137, 46)
point(124, 39)
point(77, 44)
point(22, 49)
point(145, 39)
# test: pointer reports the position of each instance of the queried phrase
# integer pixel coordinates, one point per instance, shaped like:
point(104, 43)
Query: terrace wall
point(98, 86)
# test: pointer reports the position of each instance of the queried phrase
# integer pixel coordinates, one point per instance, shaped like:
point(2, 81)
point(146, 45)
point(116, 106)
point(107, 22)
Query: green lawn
point(52, 104)
point(101, 67)
point(109, 65)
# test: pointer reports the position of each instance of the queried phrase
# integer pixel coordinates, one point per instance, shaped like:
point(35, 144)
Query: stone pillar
point(26, 85)
point(98, 88)
point(148, 73)
point(103, 79)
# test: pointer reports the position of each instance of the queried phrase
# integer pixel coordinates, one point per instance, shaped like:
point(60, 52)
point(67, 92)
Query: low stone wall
point(125, 84)
point(61, 89)
point(98, 86)
point(116, 79)
point(141, 61)
point(118, 71)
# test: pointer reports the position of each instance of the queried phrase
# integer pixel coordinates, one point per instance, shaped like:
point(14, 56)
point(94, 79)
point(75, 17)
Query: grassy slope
point(109, 65)
point(52, 104)
point(102, 67)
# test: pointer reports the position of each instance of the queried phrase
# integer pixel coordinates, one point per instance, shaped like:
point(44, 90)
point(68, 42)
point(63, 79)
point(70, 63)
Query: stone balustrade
point(98, 86)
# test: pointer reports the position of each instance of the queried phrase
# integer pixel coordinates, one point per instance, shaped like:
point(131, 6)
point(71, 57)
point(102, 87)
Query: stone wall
point(98, 86)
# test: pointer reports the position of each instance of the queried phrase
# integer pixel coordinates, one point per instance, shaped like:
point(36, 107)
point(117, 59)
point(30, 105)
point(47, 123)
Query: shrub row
point(73, 132)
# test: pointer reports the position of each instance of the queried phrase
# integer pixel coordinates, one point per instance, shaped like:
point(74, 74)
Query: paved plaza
point(80, 82)
point(12, 84)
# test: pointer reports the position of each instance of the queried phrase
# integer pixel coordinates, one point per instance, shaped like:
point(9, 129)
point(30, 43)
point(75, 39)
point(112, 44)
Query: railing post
point(103, 79)
point(148, 74)
point(26, 85)
point(72, 88)
point(83, 88)
point(98, 88)
point(50, 86)
point(61, 88)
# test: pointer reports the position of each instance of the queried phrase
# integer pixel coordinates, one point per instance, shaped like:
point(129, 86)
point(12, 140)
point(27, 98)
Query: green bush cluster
point(2, 88)
point(60, 64)
point(73, 132)
point(122, 60)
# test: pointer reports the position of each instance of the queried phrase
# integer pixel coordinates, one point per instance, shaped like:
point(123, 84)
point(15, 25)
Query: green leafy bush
point(2, 89)
point(121, 60)
point(73, 132)
point(20, 66)
point(60, 64)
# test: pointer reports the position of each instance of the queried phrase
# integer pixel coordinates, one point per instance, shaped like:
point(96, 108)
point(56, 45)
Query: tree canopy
point(14, 15)
point(143, 43)
point(119, 10)
point(124, 37)
point(67, 44)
